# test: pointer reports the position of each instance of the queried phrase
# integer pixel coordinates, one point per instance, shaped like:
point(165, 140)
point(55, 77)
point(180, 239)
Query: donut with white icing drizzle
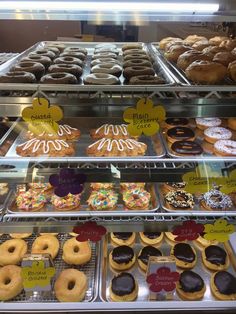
point(114, 131)
point(37, 147)
point(111, 147)
point(65, 132)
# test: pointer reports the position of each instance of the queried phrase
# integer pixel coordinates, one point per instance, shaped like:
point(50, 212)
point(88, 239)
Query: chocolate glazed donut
point(137, 70)
point(32, 67)
point(45, 61)
point(180, 133)
point(191, 281)
point(58, 78)
point(123, 284)
point(68, 60)
point(74, 69)
point(135, 62)
point(146, 80)
point(18, 77)
point(184, 252)
point(186, 148)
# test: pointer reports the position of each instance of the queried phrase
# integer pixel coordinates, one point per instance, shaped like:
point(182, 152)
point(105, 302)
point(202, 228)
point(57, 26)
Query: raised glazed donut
point(18, 77)
point(191, 39)
point(175, 51)
point(45, 61)
point(73, 69)
point(68, 60)
point(206, 72)
point(109, 68)
point(71, 286)
point(101, 79)
point(11, 282)
point(45, 244)
point(135, 62)
point(212, 50)
point(35, 68)
point(200, 45)
point(75, 252)
point(186, 58)
point(12, 251)
point(146, 80)
point(217, 40)
point(232, 70)
point(166, 40)
point(59, 78)
point(137, 70)
point(229, 44)
point(224, 57)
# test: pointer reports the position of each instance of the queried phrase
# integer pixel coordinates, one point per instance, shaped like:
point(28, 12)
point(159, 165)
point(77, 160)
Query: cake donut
point(30, 201)
point(57, 45)
point(111, 147)
point(76, 253)
point(12, 251)
point(151, 238)
point(73, 69)
point(179, 200)
point(104, 60)
point(184, 255)
point(122, 257)
point(146, 80)
point(37, 147)
point(123, 288)
point(108, 68)
point(190, 286)
point(106, 49)
point(215, 258)
point(135, 62)
point(132, 46)
point(137, 70)
point(205, 123)
point(45, 244)
point(145, 253)
point(213, 134)
point(180, 133)
point(71, 285)
point(103, 200)
point(101, 186)
point(114, 131)
point(45, 61)
point(137, 199)
point(66, 203)
point(186, 148)
point(58, 78)
point(137, 55)
point(173, 122)
point(79, 55)
point(18, 77)
point(132, 186)
point(223, 286)
point(43, 52)
point(216, 200)
point(20, 235)
point(69, 60)
point(101, 79)
point(76, 49)
point(225, 148)
point(122, 238)
point(11, 282)
point(35, 68)
point(134, 51)
point(55, 50)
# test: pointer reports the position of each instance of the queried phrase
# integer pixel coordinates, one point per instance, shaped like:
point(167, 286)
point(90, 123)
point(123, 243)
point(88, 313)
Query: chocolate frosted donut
point(184, 252)
point(35, 68)
point(134, 51)
point(136, 56)
point(191, 281)
point(58, 78)
point(104, 60)
point(101, 79)
point(152, 235)
point(59, 46)
point(76, 49)
point(134, 62)
point(137, 70)
point(122, 235)
point(78, 55)
point(179, 199)
point(68, 60)
point(43, 52)
point(55, 50)
point(18, 77)
point(180, 133)
point(74, 69)
point(225, 282)
point(45, 61)
point(109, 68)
point(146, 80)
point(171, 122)
point(104, 55)
point(123, 284)
point(186, 148)
point(215, 255)
point(146, 252)
point(122, 254)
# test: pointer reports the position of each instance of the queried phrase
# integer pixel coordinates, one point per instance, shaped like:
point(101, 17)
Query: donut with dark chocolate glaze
point(172, 122)
point(180, 133)
point(139, 62)
point(58, 78)
point(223, 285)
point(184, 255)
point(35, 68)
point(78, 55)
point(137, 70)
point(122, 257)
point(18, 77)
point(123, 288)
point(45, 61)
point(144, 255)
point(74, 69)
point(186, 148)
point(136, 56)
point(76, 49)
point(146, 80)
point(190, 286)
point(68, 60)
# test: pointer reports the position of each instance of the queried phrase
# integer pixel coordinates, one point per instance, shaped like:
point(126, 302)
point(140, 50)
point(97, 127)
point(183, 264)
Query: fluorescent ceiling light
point(109, 6)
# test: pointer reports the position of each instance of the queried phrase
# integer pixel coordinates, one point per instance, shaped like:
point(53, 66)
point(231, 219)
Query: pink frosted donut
point(217, 133)
point(204, 123)
point(225, 148)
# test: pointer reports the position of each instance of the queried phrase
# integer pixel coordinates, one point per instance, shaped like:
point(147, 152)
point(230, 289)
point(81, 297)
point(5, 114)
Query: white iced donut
point(204, 123)
point(225, 148)
point(217, 133)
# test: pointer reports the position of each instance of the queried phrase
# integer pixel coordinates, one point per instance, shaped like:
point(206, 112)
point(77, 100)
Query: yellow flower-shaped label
point(229, 185)
point(37, 275)
point(144, 118)
point(219, 231)
point(42, 117)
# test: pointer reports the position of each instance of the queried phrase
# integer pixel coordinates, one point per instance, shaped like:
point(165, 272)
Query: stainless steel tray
point(107, 273)
point(90, 270)
point(179, 74)
point(196, 209)
point(158, 67)
point(84, 209)
point(154, 144)
point(4, 198)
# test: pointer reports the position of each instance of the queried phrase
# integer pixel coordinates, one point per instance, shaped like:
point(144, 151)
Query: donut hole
point(11, 249)
point(76, 249)
point(45, 247)
point(71, 285)
point(7, 280)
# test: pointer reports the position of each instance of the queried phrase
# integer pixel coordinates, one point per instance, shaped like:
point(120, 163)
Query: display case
point(87, 107)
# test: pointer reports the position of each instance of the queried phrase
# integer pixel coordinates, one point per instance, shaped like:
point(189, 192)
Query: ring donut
point(18, 77)
point(136, 56)
point(135, 62)
point(75, 252)
point(11, 282)
point(137, 70)
point(78, 55)
point(12, 251)
point(109, 68)
point(101, 79)
point(44, 53)
point(59, 78)
point(146, 80)
point(69, 60)
point(20, 235)
point(46, 244)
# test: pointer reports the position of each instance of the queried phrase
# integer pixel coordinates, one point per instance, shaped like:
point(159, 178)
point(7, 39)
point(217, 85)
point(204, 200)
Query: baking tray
point(90, 269)
point(158, 67)
point(155, 147)
point(179, 74)
point(4, 198)
point(196, 209)
point(107, 273)
point(49, 211)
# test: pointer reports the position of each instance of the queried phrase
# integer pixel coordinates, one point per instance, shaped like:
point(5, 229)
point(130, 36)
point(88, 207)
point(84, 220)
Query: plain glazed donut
point(71, 286)
point(217, 40)
point(43, 52)
point(68, 60)
point(191, 39)
point(76, 49)
point(109, 68)
point(46, 244)
point(136, 56)
point(232, 70)
point(228, 44)
point(137, 70)
point(146, 80)
point(73, 69)
point(35, 68)
point(172, 43)
point(75, 252)
point(165, 41)
point(200, 45)
point(139, 62)
point(206, 72)
point(59, 78)
point(20, 235)
point(101, 79)
point(224, 58)
point(104, 60)
point(104, 55)
point(46, 61)
point(11, 282)
point(175, 51)
point(12, 251)
point(78, 55)
point(18, 77)
point(212, 50)
point(188, 57)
